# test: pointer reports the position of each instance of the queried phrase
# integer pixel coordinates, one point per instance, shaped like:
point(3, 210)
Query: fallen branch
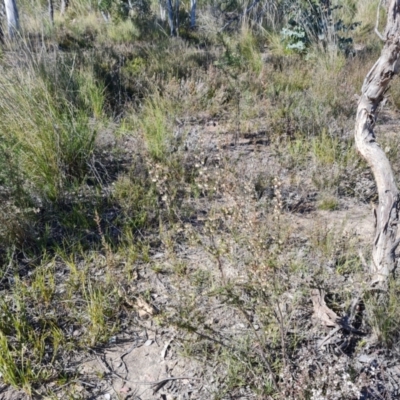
point(321, 311)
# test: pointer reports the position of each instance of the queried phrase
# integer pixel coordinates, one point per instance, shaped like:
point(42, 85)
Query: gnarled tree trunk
point(385, 242)
point(374, 88)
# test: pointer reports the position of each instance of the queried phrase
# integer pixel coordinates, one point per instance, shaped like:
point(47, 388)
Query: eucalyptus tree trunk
point(171, 19)
point(193, 4)
point(163, 12)
point(173, 16)
point(385, 242)
point(176, 15)
point(12, 17)
point(106, 16)
point(64, 6)
point(374, 88)
point(51, 11)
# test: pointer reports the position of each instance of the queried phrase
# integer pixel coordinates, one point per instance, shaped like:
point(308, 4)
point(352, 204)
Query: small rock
point(365, 358)
point(113, 339)
point(149, 342)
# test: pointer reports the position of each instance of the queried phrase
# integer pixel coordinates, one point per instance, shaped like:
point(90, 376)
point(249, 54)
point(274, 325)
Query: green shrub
point(315, 21)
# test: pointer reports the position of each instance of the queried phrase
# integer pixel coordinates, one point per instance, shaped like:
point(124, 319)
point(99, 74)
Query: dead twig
point(321, 311)
point(279, 317)
point(329, 337)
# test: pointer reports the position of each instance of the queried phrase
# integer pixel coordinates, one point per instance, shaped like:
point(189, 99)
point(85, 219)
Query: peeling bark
point(12, 17)
point(374, 88)
point(173, 16)
point(64, 6)
point(163, 11)
point(384, 258)
point(193, 4)
point(321, 311)
point(51, 11)
point(171, 19)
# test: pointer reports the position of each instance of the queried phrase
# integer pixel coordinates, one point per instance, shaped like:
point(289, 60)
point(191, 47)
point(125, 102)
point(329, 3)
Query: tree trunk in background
point(176, 15)
point(12, 17)
point(171, 19)
point(51, 12)
point(193, 4)
point(2, 15)
point(64, 6)
point(163, 12)
point(106, 16)
point(374, 88)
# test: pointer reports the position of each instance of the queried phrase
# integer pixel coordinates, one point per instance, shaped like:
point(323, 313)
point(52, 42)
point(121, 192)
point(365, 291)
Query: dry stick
point(260, 353)
point(266, 362)
point(86, 383)
point(134, 346)
point(218, 259)
point(329, 337)
point(283, 333)
point(8, 266)
point(107, 369)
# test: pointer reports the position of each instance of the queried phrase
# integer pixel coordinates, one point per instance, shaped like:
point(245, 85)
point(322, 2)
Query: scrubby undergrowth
point(197, 188)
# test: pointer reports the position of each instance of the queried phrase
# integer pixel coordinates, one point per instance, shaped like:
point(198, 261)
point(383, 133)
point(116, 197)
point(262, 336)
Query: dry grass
point(204, 181)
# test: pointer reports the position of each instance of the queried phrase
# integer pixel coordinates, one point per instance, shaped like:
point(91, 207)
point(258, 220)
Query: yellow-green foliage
point(45, 110)
point(249, 50)
point(366, 14)
point(123, 31)
point(155, 122)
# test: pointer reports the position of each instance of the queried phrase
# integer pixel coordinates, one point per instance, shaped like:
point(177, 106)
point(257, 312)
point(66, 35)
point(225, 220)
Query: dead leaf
point(125, 389)
point(144, 308)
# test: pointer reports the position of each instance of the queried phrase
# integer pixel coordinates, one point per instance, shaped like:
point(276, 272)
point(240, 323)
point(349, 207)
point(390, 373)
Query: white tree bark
point(171, 19)
point(12, 17)
point(64, 6)
point(173, 15)
point(163, 12)
point(193, 4)
point(51, 11)
point(176, 15)
point(374, 88)
point(106, 16)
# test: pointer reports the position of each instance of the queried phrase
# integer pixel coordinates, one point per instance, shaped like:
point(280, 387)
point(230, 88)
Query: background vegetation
point(220, 162)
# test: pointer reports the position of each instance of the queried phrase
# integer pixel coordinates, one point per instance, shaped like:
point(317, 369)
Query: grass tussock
point(50, 129)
